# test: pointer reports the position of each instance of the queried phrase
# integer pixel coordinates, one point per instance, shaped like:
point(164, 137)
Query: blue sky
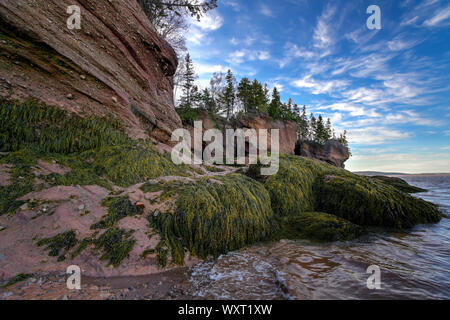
point(389, 88)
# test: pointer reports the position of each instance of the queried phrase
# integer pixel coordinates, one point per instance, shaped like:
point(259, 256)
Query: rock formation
point(115, 65)
point(287, 129)
point(332, 152)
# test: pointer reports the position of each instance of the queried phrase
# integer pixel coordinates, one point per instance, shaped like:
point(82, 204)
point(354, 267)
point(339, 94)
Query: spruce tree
point(244, 93)
point(320, 133)
point(275, 106)
point(190, 92)
point(303, 126)
point(312, 127)
point(229, 95)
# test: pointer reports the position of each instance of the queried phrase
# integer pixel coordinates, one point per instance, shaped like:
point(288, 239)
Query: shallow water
point(414, 264)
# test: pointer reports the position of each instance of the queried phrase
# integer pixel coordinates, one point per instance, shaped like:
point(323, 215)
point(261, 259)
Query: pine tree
point(229, 94)
point(188, 78)
point(303, 126)
point(312, 127)
point(328, 130)
point(320, 133)
point(244, 93)
point(208, 103)
point(275, 106)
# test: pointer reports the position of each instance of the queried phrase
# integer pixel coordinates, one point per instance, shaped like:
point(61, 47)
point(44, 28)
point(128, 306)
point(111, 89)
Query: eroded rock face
point(287, 131)
point(116, 65)
point(332, 152)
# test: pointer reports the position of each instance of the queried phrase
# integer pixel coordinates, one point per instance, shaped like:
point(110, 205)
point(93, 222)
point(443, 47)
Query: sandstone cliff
point(332, 152)
point(115, 65)
point(287, 129)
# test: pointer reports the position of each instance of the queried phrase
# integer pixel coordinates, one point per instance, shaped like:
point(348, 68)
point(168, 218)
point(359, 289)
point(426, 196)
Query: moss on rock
point(64, 241)
point(214, 216)
point(400, 184)
point(115, 244)
point(318, 226)
point(305, 185)
point(369, 202)
point(118, 208)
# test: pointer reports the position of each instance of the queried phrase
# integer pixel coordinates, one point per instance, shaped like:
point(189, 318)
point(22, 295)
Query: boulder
point(116, 65)
point(332, 152)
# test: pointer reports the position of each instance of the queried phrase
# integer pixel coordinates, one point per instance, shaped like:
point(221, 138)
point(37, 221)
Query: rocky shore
point(86, 180)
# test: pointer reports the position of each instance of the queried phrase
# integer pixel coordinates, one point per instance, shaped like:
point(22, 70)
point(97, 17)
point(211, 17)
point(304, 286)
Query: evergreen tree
point(229, 94)
point(244, 93)
point(259, 99)
point(320, 133)
point(328, 130)
point(208, 103)
point(312, 127)
point(303, 126)
point(275, 106)
point(190, 91)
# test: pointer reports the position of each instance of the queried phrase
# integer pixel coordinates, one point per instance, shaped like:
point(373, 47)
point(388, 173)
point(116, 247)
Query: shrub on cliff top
point(215, 216)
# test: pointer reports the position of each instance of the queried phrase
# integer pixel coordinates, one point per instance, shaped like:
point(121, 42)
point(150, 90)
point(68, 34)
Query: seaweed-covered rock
point(305, 185)
point(369, 202)
point(215, 216)
point(318, 226)
point(400, 184)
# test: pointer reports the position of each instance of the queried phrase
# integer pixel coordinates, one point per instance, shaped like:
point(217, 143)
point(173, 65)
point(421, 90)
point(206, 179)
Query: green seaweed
point(318, 226)
point(115, 244)
point(16, 279)
point(118, 208)
point(64, 241)
point(214, 216)
point(369, 202)
point(400, 184)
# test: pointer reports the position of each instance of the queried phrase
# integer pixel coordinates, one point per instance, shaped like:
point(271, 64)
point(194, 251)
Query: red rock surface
point(287, 131)
point(115, 65)
point(332, 152)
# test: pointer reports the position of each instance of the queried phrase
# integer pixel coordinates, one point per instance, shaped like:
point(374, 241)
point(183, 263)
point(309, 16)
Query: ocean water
point(414, 264)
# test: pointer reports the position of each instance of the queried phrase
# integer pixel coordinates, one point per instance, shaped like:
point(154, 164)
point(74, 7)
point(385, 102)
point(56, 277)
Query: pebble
point(114, 99)
point(2, 228)
point(81, 207)
point(70, 96)
point(83, 77)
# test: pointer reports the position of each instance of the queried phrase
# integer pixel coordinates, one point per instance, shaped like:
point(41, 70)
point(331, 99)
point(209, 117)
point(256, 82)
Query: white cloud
point(292, 51)
point(209, 22)
point(199, 30)
point(324, 36)
point(319, 87)
point(375, 135)
point(240, 56)
point(440, 16)
point(265, 10)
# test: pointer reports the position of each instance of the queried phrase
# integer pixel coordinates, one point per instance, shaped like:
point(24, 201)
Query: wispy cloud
point(265, 10)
